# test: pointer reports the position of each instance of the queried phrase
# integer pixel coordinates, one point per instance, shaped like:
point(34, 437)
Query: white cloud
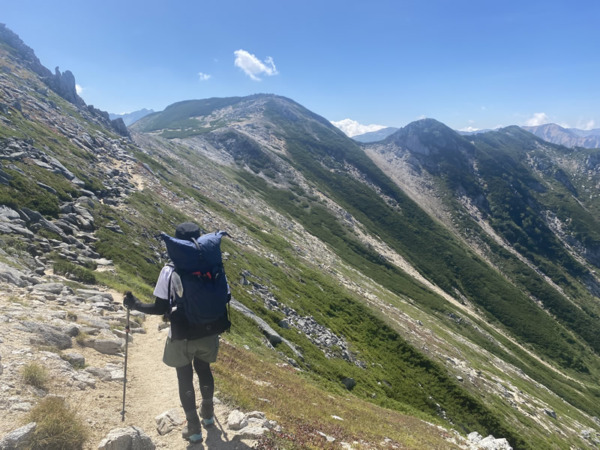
point(469, 129)
point(252, 66)
point(537, 119)
point(542, 118)
point(353, 128)
point(78, 89)
point(589, 125)
point(203, 76)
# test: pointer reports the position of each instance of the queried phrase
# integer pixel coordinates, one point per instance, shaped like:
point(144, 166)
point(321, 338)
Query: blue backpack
point(203, 293)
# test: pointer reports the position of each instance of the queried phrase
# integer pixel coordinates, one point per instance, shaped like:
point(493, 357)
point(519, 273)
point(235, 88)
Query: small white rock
point(236, 420)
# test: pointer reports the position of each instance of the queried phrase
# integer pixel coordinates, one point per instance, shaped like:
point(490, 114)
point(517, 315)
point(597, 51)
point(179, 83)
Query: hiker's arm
point(160, 305)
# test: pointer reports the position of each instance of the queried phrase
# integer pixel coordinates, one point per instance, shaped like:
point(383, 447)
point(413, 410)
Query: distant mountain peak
point(569, 137)
point(425, 136)
point(132, 117)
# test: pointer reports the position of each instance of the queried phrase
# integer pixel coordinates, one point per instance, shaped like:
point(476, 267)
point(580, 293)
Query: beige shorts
point(181, 352)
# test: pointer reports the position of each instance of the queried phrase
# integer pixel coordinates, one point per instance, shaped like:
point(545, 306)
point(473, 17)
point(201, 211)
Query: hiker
point(193, 342)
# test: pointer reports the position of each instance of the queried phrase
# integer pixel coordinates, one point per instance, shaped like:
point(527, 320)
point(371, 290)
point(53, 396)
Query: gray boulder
point(84, 218)
point(4, 177)
point(478, 442)
point(111, 372)
point(349, 383)
point(13, 276)
point(75, 359)
point(19, 438)
point(31, 216)
point(130, 438)
point(7, 214)
point(273, 337)
point(87, 293)
point(257, 426)
point(49, 288)
point(46, 224)
point(106, 346)
point(47, 335)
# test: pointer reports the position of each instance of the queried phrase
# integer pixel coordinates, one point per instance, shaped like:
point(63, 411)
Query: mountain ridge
point(553, 133)
point(374, 136)
point(569, 137)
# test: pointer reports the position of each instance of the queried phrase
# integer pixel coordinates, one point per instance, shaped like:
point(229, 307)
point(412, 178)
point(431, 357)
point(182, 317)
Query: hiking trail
point(152, 390)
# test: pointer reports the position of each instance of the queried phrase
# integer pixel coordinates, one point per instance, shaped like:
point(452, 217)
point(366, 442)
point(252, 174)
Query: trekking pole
point(125, 370)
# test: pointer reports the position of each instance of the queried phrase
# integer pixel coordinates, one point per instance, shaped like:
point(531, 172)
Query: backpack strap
point(170, 295)
point(169, 289)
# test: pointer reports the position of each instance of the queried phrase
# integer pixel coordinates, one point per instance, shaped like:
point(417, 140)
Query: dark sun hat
point(187, 231)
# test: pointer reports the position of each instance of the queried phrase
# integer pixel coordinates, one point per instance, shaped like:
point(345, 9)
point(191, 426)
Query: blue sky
point(470, 64)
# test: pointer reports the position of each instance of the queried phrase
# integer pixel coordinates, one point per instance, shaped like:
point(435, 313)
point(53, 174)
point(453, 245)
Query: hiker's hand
point(129, 300)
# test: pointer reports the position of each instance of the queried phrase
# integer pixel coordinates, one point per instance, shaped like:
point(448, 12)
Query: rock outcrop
point(63, 83)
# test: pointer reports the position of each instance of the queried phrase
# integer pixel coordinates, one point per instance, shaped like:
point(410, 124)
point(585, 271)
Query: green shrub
point(23, 191)
point(35, 375)
point(81, 338)
point(74, 272)
point(58, 426)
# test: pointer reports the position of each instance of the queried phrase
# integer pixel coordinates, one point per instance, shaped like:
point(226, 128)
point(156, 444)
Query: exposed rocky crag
point(63, 83)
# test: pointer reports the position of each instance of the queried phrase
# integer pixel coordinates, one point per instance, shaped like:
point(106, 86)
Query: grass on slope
point(431, 250)
point(256, 381)
point(396, 375)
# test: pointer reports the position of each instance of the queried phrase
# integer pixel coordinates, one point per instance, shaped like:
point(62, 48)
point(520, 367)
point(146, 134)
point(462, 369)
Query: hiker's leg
point(205, 376)
point(187, 395)
point(207, 389)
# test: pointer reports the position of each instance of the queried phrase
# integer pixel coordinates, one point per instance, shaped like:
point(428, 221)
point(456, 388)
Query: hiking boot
point(207, 412)
point(192, 431)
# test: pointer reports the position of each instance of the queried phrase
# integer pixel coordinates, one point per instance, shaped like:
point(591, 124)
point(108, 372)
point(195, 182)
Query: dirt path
point(152, 390)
